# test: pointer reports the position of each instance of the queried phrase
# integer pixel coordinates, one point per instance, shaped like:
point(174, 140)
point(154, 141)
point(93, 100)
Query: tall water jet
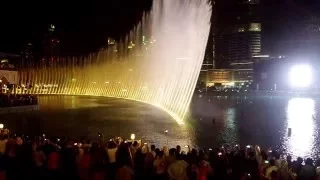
point(158, 62)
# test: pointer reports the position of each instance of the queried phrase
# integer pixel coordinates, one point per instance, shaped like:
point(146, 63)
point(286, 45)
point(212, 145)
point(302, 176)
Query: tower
point(238, 35)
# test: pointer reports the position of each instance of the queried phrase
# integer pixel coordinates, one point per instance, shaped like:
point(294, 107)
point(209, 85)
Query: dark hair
point(309, 161)
point(111, 145)
point(178, 148)
point(135, 143)
point(251, 154)
point(201, 155)
point(264, 155)
point(153, 147)
point(160, 154)
point(172, 152)
point(289, 158)
point(272, 162)
point(181, 157)
point(274, 175)
point(157, 150)
point(194, 152)
point(123, 156)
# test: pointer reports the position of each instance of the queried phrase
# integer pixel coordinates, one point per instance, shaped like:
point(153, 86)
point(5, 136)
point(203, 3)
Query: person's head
point(180, 157)
point(178, 148)
point(264, 155)
point(135, 144)
point(172, 152)
point(160, 154)
point(284, 164)
point(19, 141)
point(157, 150)
point(299, 160)
point(272, 162)
point(123, 156)
point(251, 154)
point(274, 175)
point(153, 147)
point(317, 163)
point(277, 156)
point(309, 161)
point(138, 152)
point(111, 145)
point(289, 158)
point(201, 155)
point(4, 137)
point(194, 152)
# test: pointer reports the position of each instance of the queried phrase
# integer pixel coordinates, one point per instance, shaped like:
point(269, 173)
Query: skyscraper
point(238, 33)
point(208, 61)
point(27, 56)
point(51, 46)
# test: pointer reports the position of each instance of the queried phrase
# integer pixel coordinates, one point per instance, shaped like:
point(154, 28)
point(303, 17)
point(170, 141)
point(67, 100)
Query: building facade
point(51, 46)
point(229, 77)
point(238, 34)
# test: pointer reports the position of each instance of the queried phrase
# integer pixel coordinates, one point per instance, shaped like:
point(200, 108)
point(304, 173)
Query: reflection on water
point(76, 116)
point(260, 120)
point(300, 118)
point(248, 120)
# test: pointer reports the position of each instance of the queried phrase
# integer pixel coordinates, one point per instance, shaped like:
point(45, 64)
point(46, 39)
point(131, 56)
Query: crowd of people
point(17, 100)
point(23, 157)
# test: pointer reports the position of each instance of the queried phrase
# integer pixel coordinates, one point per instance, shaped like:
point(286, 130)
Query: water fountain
point(158, 62)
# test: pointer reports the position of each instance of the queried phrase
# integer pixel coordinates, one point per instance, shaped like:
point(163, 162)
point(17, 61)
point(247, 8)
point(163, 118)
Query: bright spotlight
point(300, 76)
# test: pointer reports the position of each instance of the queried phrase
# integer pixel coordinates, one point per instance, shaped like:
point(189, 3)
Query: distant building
point(208, 61)
point(238, 35)
point(8, 74)
point(229, 77)
point(51, 46)
point(27, 55)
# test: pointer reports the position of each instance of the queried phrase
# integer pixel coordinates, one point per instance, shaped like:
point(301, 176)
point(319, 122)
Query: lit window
point(255, 27)
point(241, 30)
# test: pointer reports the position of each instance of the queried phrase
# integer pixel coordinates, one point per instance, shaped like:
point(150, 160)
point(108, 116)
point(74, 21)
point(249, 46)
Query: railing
point(19, 109)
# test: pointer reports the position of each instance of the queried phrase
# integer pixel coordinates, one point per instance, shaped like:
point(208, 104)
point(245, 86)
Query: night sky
point(83, 27)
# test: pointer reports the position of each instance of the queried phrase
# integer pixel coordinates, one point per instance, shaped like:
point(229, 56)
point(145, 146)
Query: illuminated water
point(158, 62)
point(260, 120)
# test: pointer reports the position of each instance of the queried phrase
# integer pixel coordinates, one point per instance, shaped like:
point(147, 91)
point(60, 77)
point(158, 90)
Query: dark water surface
point(260, 120)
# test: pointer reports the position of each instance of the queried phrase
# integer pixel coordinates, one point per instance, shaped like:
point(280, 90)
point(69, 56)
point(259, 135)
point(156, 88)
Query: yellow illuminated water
point(158, 62)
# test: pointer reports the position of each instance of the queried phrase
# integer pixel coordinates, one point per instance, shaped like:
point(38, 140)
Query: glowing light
point(133, 136)
point(168, 69)
point(1, 126)
point(265, 56)
point(300, 114)
point(300, 76)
